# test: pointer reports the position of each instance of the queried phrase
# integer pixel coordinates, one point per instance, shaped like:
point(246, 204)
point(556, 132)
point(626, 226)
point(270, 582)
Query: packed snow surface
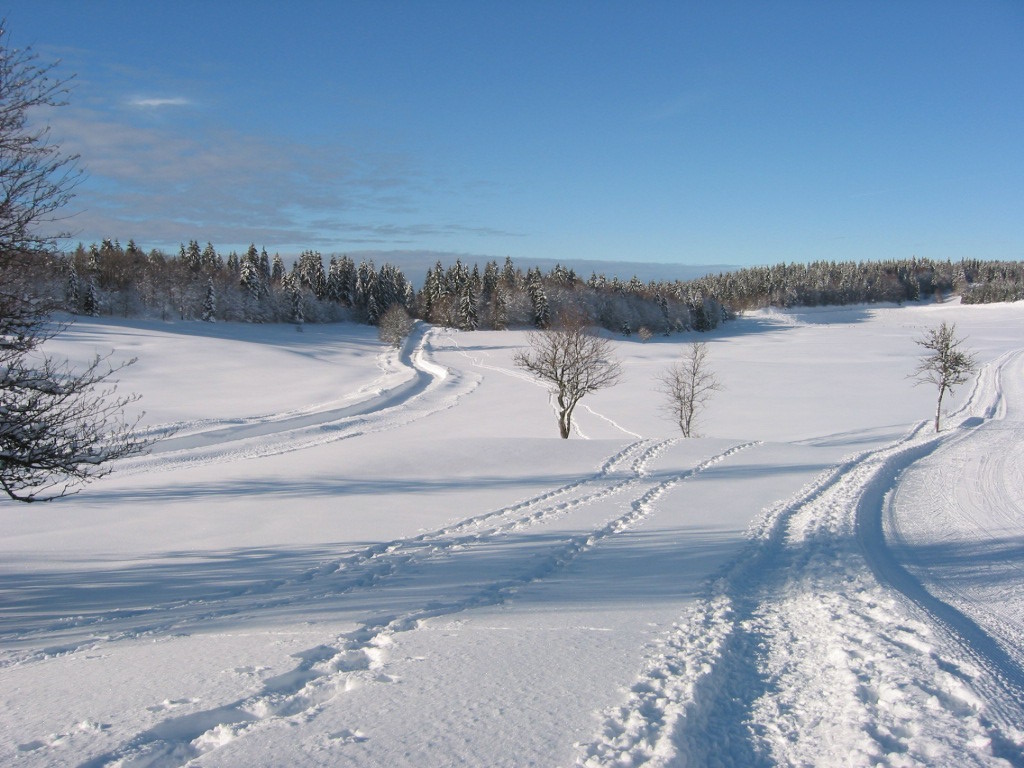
point(341, 554)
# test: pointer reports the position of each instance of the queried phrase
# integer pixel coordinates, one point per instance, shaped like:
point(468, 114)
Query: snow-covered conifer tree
point(90, 299)
point(539, 301)
point(499, 309)
point(210, 303)
point(277, 270)
point(468, 319)
point(72, 291)
point(264, 266)
point(209, 258)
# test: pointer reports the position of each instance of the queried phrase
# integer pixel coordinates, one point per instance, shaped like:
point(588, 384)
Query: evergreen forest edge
point(200, 284)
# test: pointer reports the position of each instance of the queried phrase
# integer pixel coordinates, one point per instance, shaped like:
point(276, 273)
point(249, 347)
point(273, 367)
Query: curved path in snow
point(956, 520)
point(818, 647)
point(416, 388)
point(955, 527)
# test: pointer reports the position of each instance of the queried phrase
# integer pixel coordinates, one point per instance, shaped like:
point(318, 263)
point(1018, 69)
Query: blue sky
point(682, 132)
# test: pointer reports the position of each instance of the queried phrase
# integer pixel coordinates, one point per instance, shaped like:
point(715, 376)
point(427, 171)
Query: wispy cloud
point(161, 185)
point(155, 102)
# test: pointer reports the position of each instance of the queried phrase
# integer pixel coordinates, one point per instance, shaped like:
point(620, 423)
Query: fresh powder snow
point(342, 554)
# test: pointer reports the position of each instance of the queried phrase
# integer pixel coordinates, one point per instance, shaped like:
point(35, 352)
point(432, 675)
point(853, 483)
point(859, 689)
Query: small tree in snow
point(394, 325)
point(572, 361)
point(947, 366)
point(688, 385)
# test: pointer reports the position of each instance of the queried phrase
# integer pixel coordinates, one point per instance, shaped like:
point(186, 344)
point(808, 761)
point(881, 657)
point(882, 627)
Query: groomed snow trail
point(816, 646)
point(954, 521)
point(445, 567)
point(411, 388)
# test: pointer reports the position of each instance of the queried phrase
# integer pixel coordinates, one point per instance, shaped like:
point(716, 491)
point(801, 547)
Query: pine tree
point(435, 295)
point(277, 270)
point(391, 287)
point(193, 257)
point(499, 310)
point(298, 315)
point(264, 265)
point(90, 301)
point(340, 281)
point(539, 300)
point(210, 303)
point(249, 278)
point(476, 282)
point(365, 290)
point(309, 269)
point(72, 292)
point(468, 320)
point(373, 312)
point(508, 274)
point(209, 258)
point(252, 284)
point(489, 281)
point(133, 252)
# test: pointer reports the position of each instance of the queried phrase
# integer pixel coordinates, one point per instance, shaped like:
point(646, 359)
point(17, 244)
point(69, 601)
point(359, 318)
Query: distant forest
point(198, 283)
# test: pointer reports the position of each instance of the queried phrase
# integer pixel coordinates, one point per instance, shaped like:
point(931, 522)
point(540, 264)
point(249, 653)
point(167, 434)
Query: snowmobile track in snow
point(797, 614)
point(361, 570)
point(426, 388)
point(327, 671)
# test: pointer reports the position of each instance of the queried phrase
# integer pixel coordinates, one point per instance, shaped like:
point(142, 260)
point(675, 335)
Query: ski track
point(991, 477)
point(360, 656)
point(816, 628)
point(427, 389)
point(362, 569)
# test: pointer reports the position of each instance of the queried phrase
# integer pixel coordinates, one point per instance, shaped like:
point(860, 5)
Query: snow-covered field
point(352, 556)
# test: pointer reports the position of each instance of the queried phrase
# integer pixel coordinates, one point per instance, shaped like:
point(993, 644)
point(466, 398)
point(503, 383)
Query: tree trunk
point(564, 417)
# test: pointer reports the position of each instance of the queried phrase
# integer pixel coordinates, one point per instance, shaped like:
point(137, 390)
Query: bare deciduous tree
point(947, 366)
point(58, 428)
point(394, 325)
point(688, 385)
point(572, 361)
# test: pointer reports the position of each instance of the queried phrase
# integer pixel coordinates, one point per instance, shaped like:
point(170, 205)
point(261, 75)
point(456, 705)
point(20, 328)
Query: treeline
point(991, 281)
point(463, 297)
point(830, 283)
point(198, 283)
point(499, 297)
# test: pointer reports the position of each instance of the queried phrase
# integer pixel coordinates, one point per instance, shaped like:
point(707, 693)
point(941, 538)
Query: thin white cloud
point(156, 102)
point(149, 181)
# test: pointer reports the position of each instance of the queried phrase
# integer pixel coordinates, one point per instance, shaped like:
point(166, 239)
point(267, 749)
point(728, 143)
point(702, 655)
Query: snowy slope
point(348, 555)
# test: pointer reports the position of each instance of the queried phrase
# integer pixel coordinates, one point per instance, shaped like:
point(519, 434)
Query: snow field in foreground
point(348, 555)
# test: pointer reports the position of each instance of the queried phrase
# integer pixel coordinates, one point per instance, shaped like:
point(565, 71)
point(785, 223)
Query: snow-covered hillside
point(347, 555)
